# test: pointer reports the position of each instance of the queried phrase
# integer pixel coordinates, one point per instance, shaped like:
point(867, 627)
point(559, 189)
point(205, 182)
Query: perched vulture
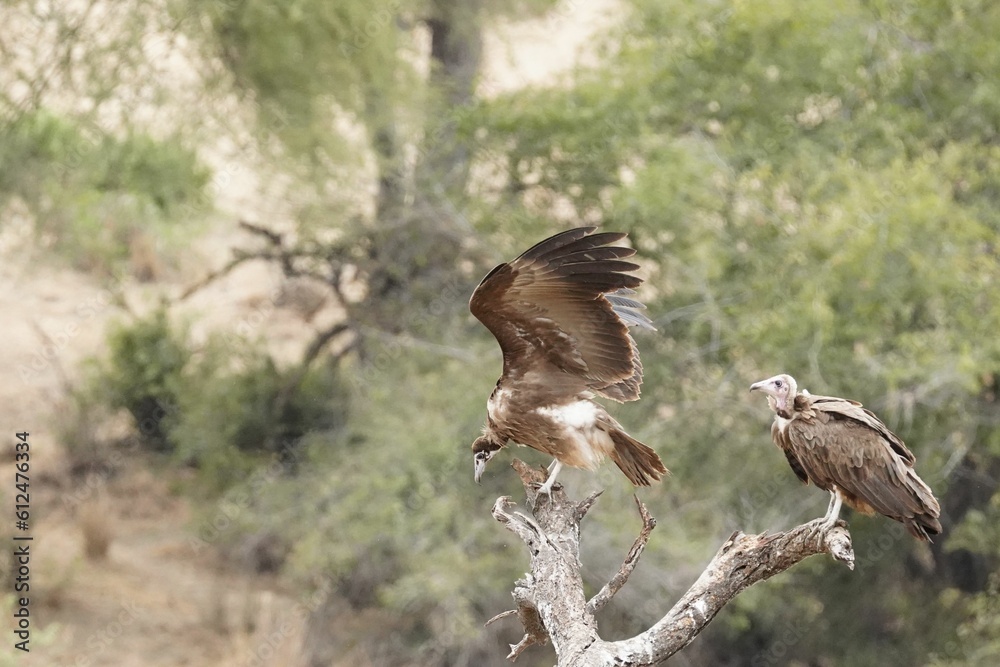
point(561, 313)
point(843, 448)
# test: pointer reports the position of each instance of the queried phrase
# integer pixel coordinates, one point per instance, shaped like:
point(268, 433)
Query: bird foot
point(818, 528)
point(546, 488)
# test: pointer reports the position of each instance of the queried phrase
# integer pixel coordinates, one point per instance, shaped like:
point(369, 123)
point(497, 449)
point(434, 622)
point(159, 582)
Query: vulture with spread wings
point(843, 448)
point(561, 313)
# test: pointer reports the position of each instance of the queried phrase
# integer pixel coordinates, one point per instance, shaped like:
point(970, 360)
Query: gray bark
point(552, 606)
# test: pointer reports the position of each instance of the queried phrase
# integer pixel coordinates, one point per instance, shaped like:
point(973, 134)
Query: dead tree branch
point(284, 252)
point(550, 600)
point(631, 560)
point(237, 260)
point(295, 260)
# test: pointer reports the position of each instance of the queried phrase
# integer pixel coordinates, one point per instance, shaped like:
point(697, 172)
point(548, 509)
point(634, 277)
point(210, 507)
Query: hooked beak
point(758, 385)
point(480, 467)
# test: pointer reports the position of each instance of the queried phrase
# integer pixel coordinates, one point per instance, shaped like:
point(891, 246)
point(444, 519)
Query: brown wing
point(566, 302)
point(848, 446)
point(785, 446)
point(853, 410)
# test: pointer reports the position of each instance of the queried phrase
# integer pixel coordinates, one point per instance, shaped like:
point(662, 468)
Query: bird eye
point(777, 384)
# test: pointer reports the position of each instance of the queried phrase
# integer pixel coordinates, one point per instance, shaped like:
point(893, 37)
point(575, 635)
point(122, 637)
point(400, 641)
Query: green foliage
point(376, 513)
point(812, 188)
point(977, 641)
point(306, 61)
point(240, 411)
point(165, 171)
point(224, 408)
point(144, 375)
point(32, 145)
point(92, 193)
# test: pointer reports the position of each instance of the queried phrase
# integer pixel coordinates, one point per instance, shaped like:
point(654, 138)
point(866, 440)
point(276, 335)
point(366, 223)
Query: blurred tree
point(373, 88)
point(812, 188)
point(86, 155)
point(809, 201)
point(368, 99)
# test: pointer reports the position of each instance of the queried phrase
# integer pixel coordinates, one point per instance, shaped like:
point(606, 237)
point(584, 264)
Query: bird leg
point(829, 507)
point(826, 522)
point(554, 469)
point(833, 511)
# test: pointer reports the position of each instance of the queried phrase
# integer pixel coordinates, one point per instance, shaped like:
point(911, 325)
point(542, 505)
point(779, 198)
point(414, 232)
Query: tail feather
point(640, 463)
point(923, 527)
point(925, 522)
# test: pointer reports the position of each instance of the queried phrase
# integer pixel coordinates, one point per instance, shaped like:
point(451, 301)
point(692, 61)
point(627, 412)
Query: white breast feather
point(580, 419)
point(578, 414)
point(782, 423)
point(497, 403)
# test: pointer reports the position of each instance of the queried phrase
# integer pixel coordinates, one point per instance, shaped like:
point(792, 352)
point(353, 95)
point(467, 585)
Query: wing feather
point(567, 301)
point(848, 446)
point(853, 410)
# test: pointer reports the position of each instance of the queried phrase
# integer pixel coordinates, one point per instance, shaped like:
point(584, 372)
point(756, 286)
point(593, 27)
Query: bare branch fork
point(552, 606)
point(284, 251)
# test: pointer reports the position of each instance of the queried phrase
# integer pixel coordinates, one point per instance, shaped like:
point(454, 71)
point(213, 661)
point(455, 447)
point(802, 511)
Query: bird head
point(483, 449)
point(780, 391)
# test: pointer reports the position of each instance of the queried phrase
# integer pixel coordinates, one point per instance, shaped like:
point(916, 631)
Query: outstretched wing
point(568, 301)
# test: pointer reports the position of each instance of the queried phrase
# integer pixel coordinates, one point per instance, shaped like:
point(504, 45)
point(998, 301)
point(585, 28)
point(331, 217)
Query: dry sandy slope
point(156, 600)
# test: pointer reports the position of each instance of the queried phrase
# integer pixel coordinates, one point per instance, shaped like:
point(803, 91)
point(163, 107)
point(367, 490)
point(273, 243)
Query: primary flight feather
point(561, 313)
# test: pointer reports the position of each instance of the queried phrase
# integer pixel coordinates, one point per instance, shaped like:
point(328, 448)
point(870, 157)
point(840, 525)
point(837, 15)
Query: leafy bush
point(91, 193)
point(144, 375)
point(808, 194)
point(166, 172)
point(387, 510)
point(223, 409)
point(231, 420)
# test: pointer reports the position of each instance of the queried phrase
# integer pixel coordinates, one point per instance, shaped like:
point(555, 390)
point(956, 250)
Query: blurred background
point(238, 239)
